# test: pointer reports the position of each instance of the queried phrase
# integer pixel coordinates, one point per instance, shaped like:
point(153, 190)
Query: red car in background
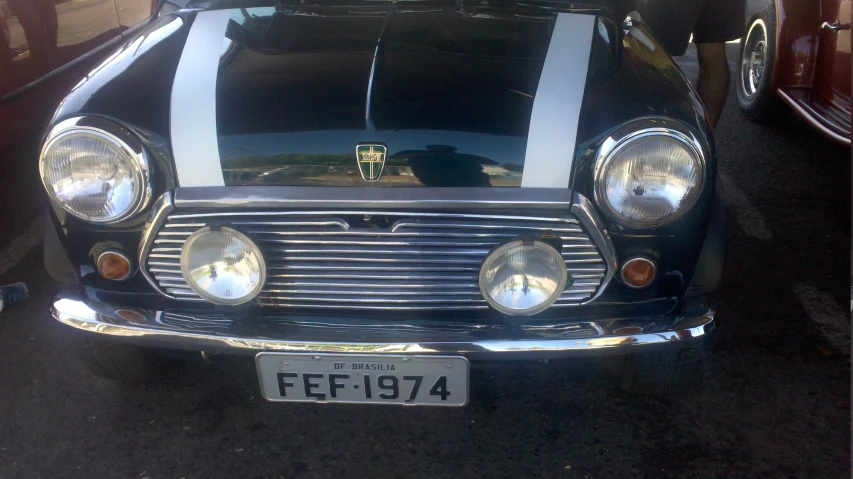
point(798, 52)
point(46, 46)
point(41, 41)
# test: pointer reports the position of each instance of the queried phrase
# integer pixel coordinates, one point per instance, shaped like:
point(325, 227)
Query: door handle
point(835, 27)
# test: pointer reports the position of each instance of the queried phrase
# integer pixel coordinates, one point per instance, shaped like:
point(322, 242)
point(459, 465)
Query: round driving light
point(523, 277)
point(223, 266)
point(638, 272)
point(114, 265)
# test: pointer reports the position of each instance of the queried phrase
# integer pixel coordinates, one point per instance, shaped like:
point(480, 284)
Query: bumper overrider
point(335, 329)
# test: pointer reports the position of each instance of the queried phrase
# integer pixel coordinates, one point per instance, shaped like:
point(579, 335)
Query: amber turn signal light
point(114, 265)
point(638, 272)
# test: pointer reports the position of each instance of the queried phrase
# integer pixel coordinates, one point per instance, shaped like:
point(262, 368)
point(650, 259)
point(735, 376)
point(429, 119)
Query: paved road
point(775, 403)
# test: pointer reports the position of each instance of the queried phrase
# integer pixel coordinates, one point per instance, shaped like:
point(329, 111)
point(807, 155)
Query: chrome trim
point(398, 266)
point(114, 133)
point(584, 210)
point(123, 255)
point(638, 129)
point(371, 212)
point(557, 330)
point(388, 307)
point(638, 258)
point(753, 59)
point(160, 211)
point(810, 118)
point(425, 198)
point(834, 27)
point(322, 334)
point(343, 225)
point(407, 223)
point(309, 260)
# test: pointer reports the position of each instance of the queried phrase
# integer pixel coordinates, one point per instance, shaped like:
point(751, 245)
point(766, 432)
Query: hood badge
point(371, 160)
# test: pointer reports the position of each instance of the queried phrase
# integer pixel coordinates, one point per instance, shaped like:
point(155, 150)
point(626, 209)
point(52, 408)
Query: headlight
point(523, 277)
point(92, 173)
point(649, 177)
point(223, 266)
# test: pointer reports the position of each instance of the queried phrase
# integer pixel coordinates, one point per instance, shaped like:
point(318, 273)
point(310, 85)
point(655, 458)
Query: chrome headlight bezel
point(621, 138)
point(120, 138)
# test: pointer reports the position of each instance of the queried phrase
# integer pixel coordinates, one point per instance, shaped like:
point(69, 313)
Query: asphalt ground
point(775, 401)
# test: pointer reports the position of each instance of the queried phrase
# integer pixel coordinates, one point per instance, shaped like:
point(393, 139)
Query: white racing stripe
point(193, 110)
point(557, 105)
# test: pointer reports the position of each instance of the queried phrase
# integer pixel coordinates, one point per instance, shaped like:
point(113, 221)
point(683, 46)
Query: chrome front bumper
point(249, 335)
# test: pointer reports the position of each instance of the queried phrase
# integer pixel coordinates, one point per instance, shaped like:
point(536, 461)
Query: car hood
point(449, 93)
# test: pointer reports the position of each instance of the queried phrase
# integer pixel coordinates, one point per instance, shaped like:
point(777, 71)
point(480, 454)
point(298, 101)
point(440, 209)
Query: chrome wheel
point(754, 59)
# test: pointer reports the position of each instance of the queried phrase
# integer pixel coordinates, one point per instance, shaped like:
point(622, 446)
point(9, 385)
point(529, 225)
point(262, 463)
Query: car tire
point(755, 95)
point(125, 363)
point(661, 373)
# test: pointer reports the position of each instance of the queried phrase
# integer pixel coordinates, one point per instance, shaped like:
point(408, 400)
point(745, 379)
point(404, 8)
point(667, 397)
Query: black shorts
point(720, 21)
point(710, 21)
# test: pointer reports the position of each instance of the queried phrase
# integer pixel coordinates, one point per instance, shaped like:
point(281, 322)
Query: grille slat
point(412, 276)
point(378, 233)
point(165, 270)
point(418, 261)
point(409, 284)
point(578, 243)
point(168, 277)
point(479, 253)
point(463, 225)
point(269, 302)
point(373, 300)
point(358, 288)
point(174, 218)
point(380, 295)
point(165, 263)
point(414, 258)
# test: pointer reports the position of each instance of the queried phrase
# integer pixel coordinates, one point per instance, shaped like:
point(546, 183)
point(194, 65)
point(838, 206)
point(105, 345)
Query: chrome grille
point(415, 261)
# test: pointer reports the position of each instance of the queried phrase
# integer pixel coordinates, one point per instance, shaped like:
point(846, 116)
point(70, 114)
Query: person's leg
point(714, 78)
point(719, 22)
point(37, 36)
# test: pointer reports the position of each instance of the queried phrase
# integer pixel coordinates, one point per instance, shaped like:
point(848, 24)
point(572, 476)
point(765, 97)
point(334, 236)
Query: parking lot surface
point(775, 402)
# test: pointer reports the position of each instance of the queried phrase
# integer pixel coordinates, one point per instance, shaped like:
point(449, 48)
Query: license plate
point(417, 380)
